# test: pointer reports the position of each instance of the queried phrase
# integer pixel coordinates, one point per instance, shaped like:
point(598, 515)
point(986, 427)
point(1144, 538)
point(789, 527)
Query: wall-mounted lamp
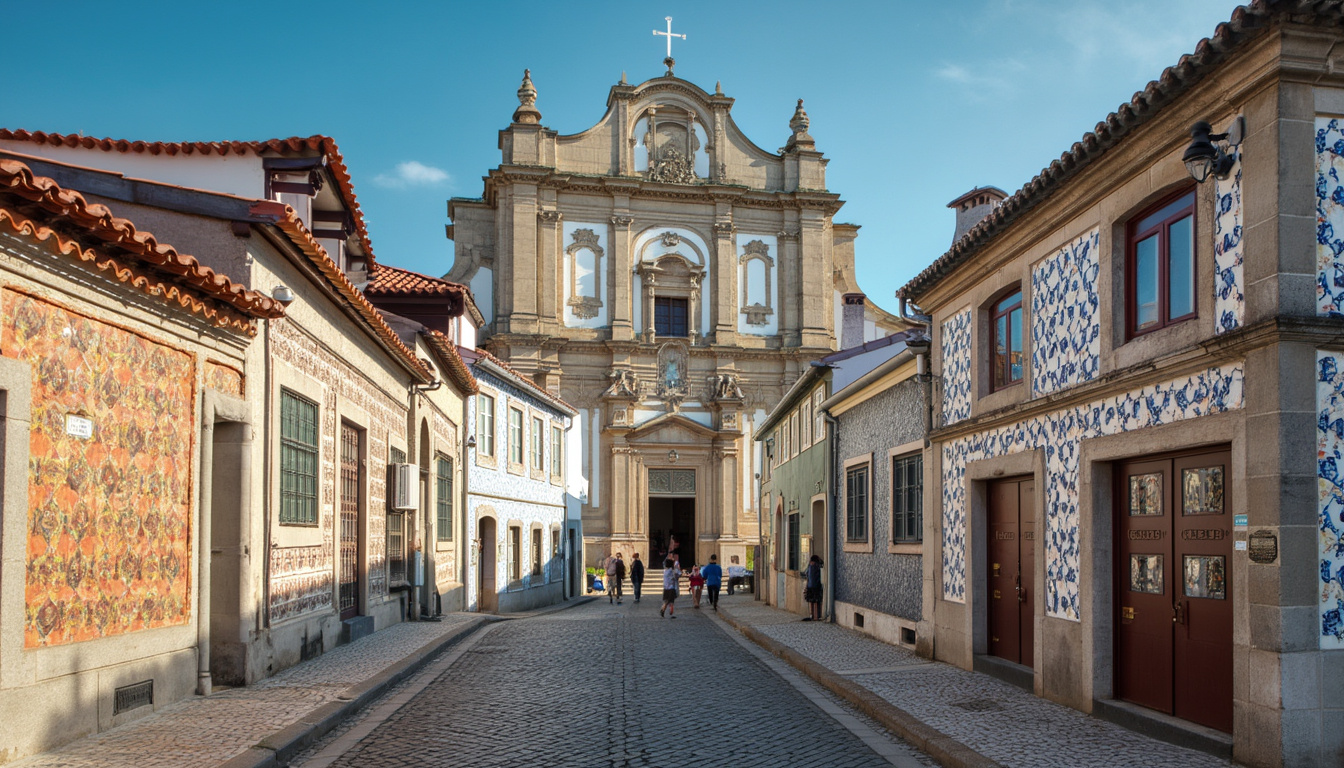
point(282, 294)
point(471, 441)
point(1203, 157)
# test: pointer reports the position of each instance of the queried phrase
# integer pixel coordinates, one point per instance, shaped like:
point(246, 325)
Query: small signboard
point(78, 426)
point(1240, 521)
point(1240, 546)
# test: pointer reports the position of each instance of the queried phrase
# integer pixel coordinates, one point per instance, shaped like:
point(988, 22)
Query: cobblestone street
point(606, 685)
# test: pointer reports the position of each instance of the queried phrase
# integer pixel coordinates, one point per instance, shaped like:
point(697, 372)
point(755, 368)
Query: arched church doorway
point(672, 515)
point(485, 576)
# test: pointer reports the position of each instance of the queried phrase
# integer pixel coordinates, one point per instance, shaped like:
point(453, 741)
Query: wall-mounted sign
point(1240, 546)
point(78, 426)
point(1264, 546)
point(1240, 521)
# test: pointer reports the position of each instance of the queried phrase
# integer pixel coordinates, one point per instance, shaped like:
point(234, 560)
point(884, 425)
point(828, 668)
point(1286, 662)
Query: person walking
point(697, 586)
point(636, 574)
point(812, 588)
point(713, 576)
point(670, 576)
point(615, 575)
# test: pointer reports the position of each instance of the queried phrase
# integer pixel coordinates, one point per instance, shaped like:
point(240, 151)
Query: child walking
point(697, 585)
point(670, 576)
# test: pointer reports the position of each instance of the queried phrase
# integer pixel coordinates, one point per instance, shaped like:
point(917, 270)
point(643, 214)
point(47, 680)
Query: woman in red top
point(697, 585)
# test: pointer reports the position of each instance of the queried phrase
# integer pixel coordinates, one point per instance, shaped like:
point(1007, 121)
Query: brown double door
point(1012, 569)
point(1173, 637)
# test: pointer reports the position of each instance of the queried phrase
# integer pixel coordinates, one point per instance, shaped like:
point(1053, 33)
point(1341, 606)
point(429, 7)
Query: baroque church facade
point(670, 279)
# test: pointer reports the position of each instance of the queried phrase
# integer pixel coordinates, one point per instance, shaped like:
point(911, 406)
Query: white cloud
point(412, 173)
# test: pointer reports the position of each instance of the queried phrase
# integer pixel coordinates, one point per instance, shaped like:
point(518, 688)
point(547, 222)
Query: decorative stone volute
point(799, 125)
point(527, 111)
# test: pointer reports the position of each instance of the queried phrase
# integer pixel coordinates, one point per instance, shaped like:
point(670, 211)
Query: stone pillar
point(789, 301)
point(622, 328)
point(693, 310)
point(725, 280)
point(648, 279)
point(618, 506)
point(551, 288)
point(728, 492)
point(814, 283)
point(520, 281)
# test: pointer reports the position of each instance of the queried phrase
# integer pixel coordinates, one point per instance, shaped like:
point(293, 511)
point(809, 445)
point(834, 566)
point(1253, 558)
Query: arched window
point(757, 296)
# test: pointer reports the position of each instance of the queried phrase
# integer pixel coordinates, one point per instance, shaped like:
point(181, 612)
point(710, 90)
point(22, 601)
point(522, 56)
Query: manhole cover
point(978, 705)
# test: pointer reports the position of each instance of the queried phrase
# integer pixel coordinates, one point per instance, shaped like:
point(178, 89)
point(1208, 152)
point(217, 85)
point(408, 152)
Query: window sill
point(443, 546)
point(516, 469)
point(865, 547)
point(906, 548)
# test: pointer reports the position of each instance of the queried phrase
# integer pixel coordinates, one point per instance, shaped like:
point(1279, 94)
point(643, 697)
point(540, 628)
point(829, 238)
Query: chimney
point(974, 206)
point(851, 322)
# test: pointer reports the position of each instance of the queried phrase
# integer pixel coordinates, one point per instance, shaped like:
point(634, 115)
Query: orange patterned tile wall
point(110, 475)
point(223, 378)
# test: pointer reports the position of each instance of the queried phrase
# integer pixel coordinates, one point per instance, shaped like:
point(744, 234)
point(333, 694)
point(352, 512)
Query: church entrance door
point(672, 515)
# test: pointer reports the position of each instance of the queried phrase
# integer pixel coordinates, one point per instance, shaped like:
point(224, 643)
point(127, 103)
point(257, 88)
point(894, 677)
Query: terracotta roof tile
point(1247, 23)
point(396, 281)
point(523, 381)
point(456, 367)
point(38, 207)
point(292, 145)
point(289, 222)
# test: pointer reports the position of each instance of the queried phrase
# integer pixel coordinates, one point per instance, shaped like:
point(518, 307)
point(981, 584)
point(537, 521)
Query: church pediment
point(670, 428)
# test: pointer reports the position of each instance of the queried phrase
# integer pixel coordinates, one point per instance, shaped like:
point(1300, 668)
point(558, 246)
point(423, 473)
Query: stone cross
point(668, 34)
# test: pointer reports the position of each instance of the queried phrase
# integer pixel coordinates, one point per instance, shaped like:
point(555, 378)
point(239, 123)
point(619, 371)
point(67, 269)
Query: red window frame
point(1003, 307)
point(1161, 228)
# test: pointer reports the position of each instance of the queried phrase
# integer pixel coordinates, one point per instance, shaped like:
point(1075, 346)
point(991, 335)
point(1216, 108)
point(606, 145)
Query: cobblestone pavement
point(605, 685)
point(998, 720)
point(205, 731)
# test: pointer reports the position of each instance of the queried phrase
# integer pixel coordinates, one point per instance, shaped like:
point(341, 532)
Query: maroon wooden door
point(1011, 532)
point(1144, 585)
point(1202, 642)
point(349, 527)
point(1173, 649)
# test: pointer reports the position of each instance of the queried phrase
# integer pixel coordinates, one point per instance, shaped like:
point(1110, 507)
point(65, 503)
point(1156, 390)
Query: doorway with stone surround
point(672, 514)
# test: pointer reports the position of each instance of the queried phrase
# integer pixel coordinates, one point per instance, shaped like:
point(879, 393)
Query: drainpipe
point(832, 461)
point(206, 475)
point(418, 600)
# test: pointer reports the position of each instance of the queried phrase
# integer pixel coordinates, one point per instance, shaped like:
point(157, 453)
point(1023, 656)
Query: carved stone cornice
point(724, 229)
point(788, 235)
point(622, 221)
point(550, 217)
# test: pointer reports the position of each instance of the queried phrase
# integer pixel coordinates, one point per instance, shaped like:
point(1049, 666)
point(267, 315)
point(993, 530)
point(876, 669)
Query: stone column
point(788, 297)
point(648, 279)
point(724, 308)
point(551, 288)
point(520, 281)
point(621, 498)
point(814, 285)
point(622, 328)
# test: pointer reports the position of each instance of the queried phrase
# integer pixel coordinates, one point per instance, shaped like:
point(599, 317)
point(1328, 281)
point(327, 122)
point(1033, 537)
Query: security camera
point(282, 294)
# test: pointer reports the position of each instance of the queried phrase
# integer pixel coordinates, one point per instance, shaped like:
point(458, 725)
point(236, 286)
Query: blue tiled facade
point(1229, 292)
point(1329, 216)
point(1065, 326)
point(1330, 488)
point(956, 344)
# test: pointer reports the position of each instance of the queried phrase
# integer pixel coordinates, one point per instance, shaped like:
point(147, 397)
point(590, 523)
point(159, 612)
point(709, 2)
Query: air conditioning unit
point(405, 487)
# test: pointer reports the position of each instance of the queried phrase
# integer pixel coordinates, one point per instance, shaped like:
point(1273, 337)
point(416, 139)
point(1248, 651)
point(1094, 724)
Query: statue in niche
point(726, 387)
point(673, 362)
point(623, 383)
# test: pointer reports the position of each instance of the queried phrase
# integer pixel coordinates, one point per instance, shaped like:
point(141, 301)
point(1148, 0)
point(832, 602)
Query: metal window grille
point(907, 497)
point(298, 460)
point(349, 551)
point(396, 529)
point(856, 504)
point(443, 498)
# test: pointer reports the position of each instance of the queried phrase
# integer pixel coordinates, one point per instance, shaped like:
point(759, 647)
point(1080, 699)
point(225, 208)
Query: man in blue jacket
point(713, 580)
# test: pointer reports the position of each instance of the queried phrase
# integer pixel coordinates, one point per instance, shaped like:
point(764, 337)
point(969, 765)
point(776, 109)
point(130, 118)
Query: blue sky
point(913, 102)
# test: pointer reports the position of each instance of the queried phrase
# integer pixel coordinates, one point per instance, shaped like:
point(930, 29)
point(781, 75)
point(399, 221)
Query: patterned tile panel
point(1065, 326)
point(1329, 216)
point(223, 378)
point(1060, 435)
point(1229, 299)
point(109, 509)
point(1330, 490)
point(302, 580)
point(957, 368)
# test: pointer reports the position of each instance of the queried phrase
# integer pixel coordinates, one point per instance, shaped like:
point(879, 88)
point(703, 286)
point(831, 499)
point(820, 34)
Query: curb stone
point(281, 746)
point(949, 752)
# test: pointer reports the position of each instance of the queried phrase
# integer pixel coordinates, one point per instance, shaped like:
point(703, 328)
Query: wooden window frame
point(485, 438)
point(851, 466)
point(557, 453)
point(443, 497)
point(904, 544)
point(995, 312)
point(1162, 228)
point(536, 445)
point(517, 444)
point(668, 329)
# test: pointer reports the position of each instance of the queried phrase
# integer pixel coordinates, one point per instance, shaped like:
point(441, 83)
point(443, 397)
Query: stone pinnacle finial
point(718, 87)
point(799, 125)
point(527, 111)
point(670, 62)
point(623, 80)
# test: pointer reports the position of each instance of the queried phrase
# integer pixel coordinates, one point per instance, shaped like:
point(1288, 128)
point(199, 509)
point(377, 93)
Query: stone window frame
point(655, 283)
point(992, 314)
point(584, 307)
point(818, 415)
point(536, 444)
point(513, 555)
point(488, 460)
point(556, 545)
point(905, 451)
point(293, 443)
point(757, 314)
point(518, 467)
point(795, 435)
point(865, 462)
point(1131, 239)
point(793, 538)
point(805, 439)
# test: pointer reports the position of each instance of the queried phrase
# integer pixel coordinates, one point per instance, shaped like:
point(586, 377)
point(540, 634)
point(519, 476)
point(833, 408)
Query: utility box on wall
point(405, 487)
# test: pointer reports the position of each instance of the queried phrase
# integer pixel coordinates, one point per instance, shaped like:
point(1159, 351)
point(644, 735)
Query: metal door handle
point(1178, 612)
point(1017, 584)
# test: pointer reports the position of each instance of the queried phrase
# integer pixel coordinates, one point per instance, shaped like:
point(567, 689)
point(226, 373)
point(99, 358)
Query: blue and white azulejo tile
point(1065, 323)
point(956, 342)
point(1329, 216)
point(1330, 494)
point(1229, 300)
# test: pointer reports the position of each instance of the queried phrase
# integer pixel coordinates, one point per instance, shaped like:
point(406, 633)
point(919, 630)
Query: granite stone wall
point(880, 581)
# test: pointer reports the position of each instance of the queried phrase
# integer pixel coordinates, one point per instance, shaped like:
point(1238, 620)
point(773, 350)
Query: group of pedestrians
point(702, 579)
